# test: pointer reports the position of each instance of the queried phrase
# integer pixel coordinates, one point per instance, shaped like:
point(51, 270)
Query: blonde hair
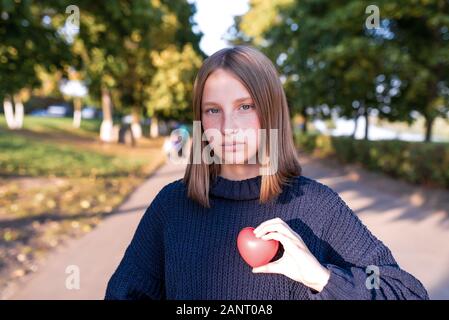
point(260, 77)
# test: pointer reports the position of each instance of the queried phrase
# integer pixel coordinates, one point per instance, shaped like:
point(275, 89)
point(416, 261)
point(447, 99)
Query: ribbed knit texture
point(182, 250)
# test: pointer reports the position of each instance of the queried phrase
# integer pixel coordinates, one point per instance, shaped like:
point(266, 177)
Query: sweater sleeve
point(360, 265)
point(140, 274)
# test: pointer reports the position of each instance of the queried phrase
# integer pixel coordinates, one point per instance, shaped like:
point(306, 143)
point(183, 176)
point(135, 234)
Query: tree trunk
point(106, 128)
point(429, 115)
point(366, 114)
point(20, 110)
point(9, 113)
point(305, 119)
point(356, 123)
point(304, 125)
point(14, 112)
point(429, 124)
point(77, 102)
point(154, 127)
point(136, 128)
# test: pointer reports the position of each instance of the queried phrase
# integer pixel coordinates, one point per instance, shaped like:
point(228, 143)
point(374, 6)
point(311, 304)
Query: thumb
point(260, 269)
point(268, 268)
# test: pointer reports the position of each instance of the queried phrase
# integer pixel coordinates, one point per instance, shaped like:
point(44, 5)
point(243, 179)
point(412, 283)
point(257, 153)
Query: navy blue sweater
point(182, 250)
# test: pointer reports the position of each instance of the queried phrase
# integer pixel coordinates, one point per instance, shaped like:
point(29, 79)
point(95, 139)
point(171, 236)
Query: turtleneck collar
point(247, 189)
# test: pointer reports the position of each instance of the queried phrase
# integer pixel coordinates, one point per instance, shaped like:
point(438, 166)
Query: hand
point(297, 262)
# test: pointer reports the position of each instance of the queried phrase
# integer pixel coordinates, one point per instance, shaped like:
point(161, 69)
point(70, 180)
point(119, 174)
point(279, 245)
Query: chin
point(234, 158)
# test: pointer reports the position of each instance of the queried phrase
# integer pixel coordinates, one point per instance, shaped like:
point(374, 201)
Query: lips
point(231, 144)
point(232, 147)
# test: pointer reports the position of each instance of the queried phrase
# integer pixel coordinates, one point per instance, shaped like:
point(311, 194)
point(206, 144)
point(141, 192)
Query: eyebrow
point(237, 100)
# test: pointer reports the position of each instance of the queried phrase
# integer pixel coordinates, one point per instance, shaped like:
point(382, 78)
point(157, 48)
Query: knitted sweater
point(182, 250)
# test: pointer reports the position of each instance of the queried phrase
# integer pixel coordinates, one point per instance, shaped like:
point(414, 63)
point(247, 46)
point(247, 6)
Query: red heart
point(255, 251)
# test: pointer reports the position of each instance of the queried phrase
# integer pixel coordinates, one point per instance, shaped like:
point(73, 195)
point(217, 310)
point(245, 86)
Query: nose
point(229, 125)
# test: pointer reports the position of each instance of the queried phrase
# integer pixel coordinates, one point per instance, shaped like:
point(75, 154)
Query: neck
point(239, 171)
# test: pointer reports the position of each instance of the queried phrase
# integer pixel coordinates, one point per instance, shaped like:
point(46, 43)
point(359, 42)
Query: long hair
point(260, 77)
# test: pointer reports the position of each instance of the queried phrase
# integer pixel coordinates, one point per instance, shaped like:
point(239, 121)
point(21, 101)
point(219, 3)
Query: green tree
point(29, 42)
point(117, 45)
point(420, 32)
point(171, 88)
point(329, 57)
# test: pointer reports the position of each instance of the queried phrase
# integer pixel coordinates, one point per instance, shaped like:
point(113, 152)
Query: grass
point(89, 127)
point(52, 147)
point(23, 156)
point(58, 182)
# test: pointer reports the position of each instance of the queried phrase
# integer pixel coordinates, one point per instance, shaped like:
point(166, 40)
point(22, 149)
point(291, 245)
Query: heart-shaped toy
point(255, 251)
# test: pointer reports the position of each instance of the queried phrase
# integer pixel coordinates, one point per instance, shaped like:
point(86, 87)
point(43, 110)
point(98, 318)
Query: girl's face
point(229, 118)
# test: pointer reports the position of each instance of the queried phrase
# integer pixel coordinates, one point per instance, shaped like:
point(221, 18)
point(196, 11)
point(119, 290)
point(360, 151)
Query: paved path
point(417, 232)
point(98, 253)
point(413, 222)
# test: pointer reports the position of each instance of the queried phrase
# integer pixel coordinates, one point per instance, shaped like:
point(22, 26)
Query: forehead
point(223, 86)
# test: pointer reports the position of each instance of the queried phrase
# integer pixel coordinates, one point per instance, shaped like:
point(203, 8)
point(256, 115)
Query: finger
point(281, 228)
point(261, 229)
point(287, 228)
point(286, 242)
point(268, 222)
point(274, 228)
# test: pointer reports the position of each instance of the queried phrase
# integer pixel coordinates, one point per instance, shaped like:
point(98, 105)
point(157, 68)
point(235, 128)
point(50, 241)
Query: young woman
point(185, 246)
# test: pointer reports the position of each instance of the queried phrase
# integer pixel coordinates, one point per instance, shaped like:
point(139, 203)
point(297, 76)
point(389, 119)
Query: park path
point(416, 230)
point(97, 254)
